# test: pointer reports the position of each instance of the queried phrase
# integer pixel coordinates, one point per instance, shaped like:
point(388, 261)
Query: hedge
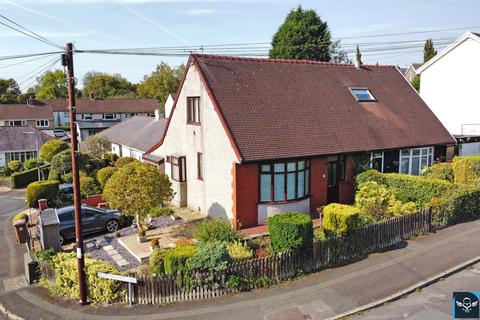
point(15, 165)
point(124, 161)
point(176, 258)
point(340, 219)
point(210, 256)
point(104, 174)
point(461, 204)
point(466, 169)
point(443, 171)
point(23, 179)
point(47, 189)
point(290, 230)
point(219, 229)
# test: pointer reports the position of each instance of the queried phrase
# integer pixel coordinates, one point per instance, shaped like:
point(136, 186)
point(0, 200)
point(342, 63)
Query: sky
point(106, 24)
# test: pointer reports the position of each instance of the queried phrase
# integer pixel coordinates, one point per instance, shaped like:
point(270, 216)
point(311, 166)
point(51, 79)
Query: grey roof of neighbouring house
point(138, 132)
point(15, 138)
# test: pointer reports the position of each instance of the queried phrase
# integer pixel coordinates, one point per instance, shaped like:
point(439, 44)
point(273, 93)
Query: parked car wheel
point(61, 240)
point(112, 225)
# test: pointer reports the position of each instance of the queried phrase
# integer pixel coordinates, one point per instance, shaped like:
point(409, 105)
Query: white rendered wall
point(168, 106)
point(268, 210)
point(450, 87)
point(116, 149)
point(213, 194)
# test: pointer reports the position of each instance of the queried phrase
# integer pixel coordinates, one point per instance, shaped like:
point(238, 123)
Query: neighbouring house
point(248, 138)
point(96, 115)
point(410, 71)
point(449, 86)
point(29, 114)
point(20, 143)
point(169, 105)
point(133, 137)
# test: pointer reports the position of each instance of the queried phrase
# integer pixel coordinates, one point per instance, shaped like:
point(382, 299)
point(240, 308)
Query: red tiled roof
point(288, 108)
point(105, 105)
point(25, 112)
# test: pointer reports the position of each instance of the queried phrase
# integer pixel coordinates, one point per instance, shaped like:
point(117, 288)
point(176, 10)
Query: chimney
point(42, 204)
point(92, 96)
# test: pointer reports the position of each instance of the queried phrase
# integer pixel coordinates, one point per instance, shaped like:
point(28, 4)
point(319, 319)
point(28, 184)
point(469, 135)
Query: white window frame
point(114, 116)
point(66, 114)
point(87, 116)
point(11, 123)
point(43, 123)
point(377, 157)
point(372, 97)
point(429, 155)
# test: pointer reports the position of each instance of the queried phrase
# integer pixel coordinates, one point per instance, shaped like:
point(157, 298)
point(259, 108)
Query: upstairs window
point(109, 116)
point(42, 123)
point(193, 110)
point(87, 116)
point(16, 123)
point(362, 95)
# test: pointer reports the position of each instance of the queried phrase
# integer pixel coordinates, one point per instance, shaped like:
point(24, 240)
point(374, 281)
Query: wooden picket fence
point(282, 266)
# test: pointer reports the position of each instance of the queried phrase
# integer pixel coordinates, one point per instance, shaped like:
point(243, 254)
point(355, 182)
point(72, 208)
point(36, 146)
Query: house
point(133, 137)
point(95, 115)
point(449, 85)
point(169, 105)
point(29, 114)
point(410, 71)
point(248, 138)
point(20, 143)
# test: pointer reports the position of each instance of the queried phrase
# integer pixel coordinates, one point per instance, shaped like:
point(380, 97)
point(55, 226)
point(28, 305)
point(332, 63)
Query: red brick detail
point(245, 194)
point(93, 200)
point(347, 186)
point(318, 182)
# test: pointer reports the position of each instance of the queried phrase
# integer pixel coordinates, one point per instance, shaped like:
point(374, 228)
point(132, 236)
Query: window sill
point(284, 201)
point(194, 123)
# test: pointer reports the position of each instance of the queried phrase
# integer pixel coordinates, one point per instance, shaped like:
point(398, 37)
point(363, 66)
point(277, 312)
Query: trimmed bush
point(50, 148)
point(160, 212)
point(176, 258)
point(5, 171)
point(290, 230)
point(210, 256)
point(123, 161)
point(15, 166)
point(88, 187)
point(47, 189)
point(340, 219)
point(373, 199)
point(466, 169)
point(443, 171)
point(461, 204)
point(157, 261)
point(20, 216)
point(66, 284)
point(67, 178)
point(370, 175)
point(32, 163)
point(110, 158)
point(239, 251)
point(104, 174)
point(23, 179)
point(218, 229)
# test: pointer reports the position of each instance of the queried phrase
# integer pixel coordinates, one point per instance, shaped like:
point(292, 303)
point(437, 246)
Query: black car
point(93, 220)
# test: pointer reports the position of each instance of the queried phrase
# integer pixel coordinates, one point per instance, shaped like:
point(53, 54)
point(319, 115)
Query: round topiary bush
point(104, 174)
point(32, 163)
point(340, 219)
point(290, 230)
point(124, 161)
point(15, 165)
point(89, 186)
point(47, 189)
point(50, 148)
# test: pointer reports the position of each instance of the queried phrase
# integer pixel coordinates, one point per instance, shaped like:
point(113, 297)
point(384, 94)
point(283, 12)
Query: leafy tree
point(52, 85)
point(302, 36)
point(97, 146)
point(104, 85)
point(9, 91)
point(88, 186)
point(136, 189)
point(161, 82)
point(416, 82)
point(358, 56)
point(428, 50)
point(51, 148)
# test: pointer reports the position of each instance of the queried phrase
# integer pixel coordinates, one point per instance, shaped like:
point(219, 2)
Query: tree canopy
point(97, 146)
point(52, 85)
point(428, 50)
point(302, 36)
point(9, 91)
point(51, 148)
point(161, 82)
point(104, 85)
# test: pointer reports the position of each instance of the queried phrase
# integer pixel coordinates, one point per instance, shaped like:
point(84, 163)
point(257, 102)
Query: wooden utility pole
point(76, 177)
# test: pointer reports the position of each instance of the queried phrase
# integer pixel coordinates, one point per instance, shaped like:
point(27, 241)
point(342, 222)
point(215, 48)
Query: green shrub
point(15, 166)
point(239, 251)
point(466, 169)
point(340, 219)
point(5, 171)
point(373, 199)
point(47, 189)
point(210, 256)
point(66, 280)
point(176, 258)
point(443, 171)
point(397, 208)
point(218, 229)
point(33, 163)
point(290, 230)
point(67, 178)
point(104, 174)
point(23, 179)
point(461, 203)
point(51, 148)
point(160, 212)
point(110, 158)
point(45, 255)
point(20, 216)
point(124, 161)
point(370, 175)
point(157, 261)
point(88, 187)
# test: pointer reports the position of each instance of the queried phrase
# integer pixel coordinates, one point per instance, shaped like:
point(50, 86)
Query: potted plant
point(142, 235)
point(153, 244)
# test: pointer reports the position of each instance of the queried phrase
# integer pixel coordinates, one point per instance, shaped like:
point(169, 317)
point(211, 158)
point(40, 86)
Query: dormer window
point(362, 95)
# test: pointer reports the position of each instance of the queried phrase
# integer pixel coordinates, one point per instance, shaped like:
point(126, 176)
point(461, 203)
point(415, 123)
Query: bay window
point(284, 181)
point(413, 160)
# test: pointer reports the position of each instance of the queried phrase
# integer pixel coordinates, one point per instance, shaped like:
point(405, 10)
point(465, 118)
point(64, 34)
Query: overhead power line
point(28, 55)
point(45, 69)
point(25, 61)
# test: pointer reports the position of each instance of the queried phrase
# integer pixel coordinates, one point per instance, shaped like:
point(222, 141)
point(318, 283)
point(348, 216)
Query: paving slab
point(121, 262)
point(108, 248)
point(15, 283)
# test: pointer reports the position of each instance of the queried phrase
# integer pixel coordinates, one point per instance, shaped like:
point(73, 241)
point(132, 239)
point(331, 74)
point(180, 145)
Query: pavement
point(317, 296)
